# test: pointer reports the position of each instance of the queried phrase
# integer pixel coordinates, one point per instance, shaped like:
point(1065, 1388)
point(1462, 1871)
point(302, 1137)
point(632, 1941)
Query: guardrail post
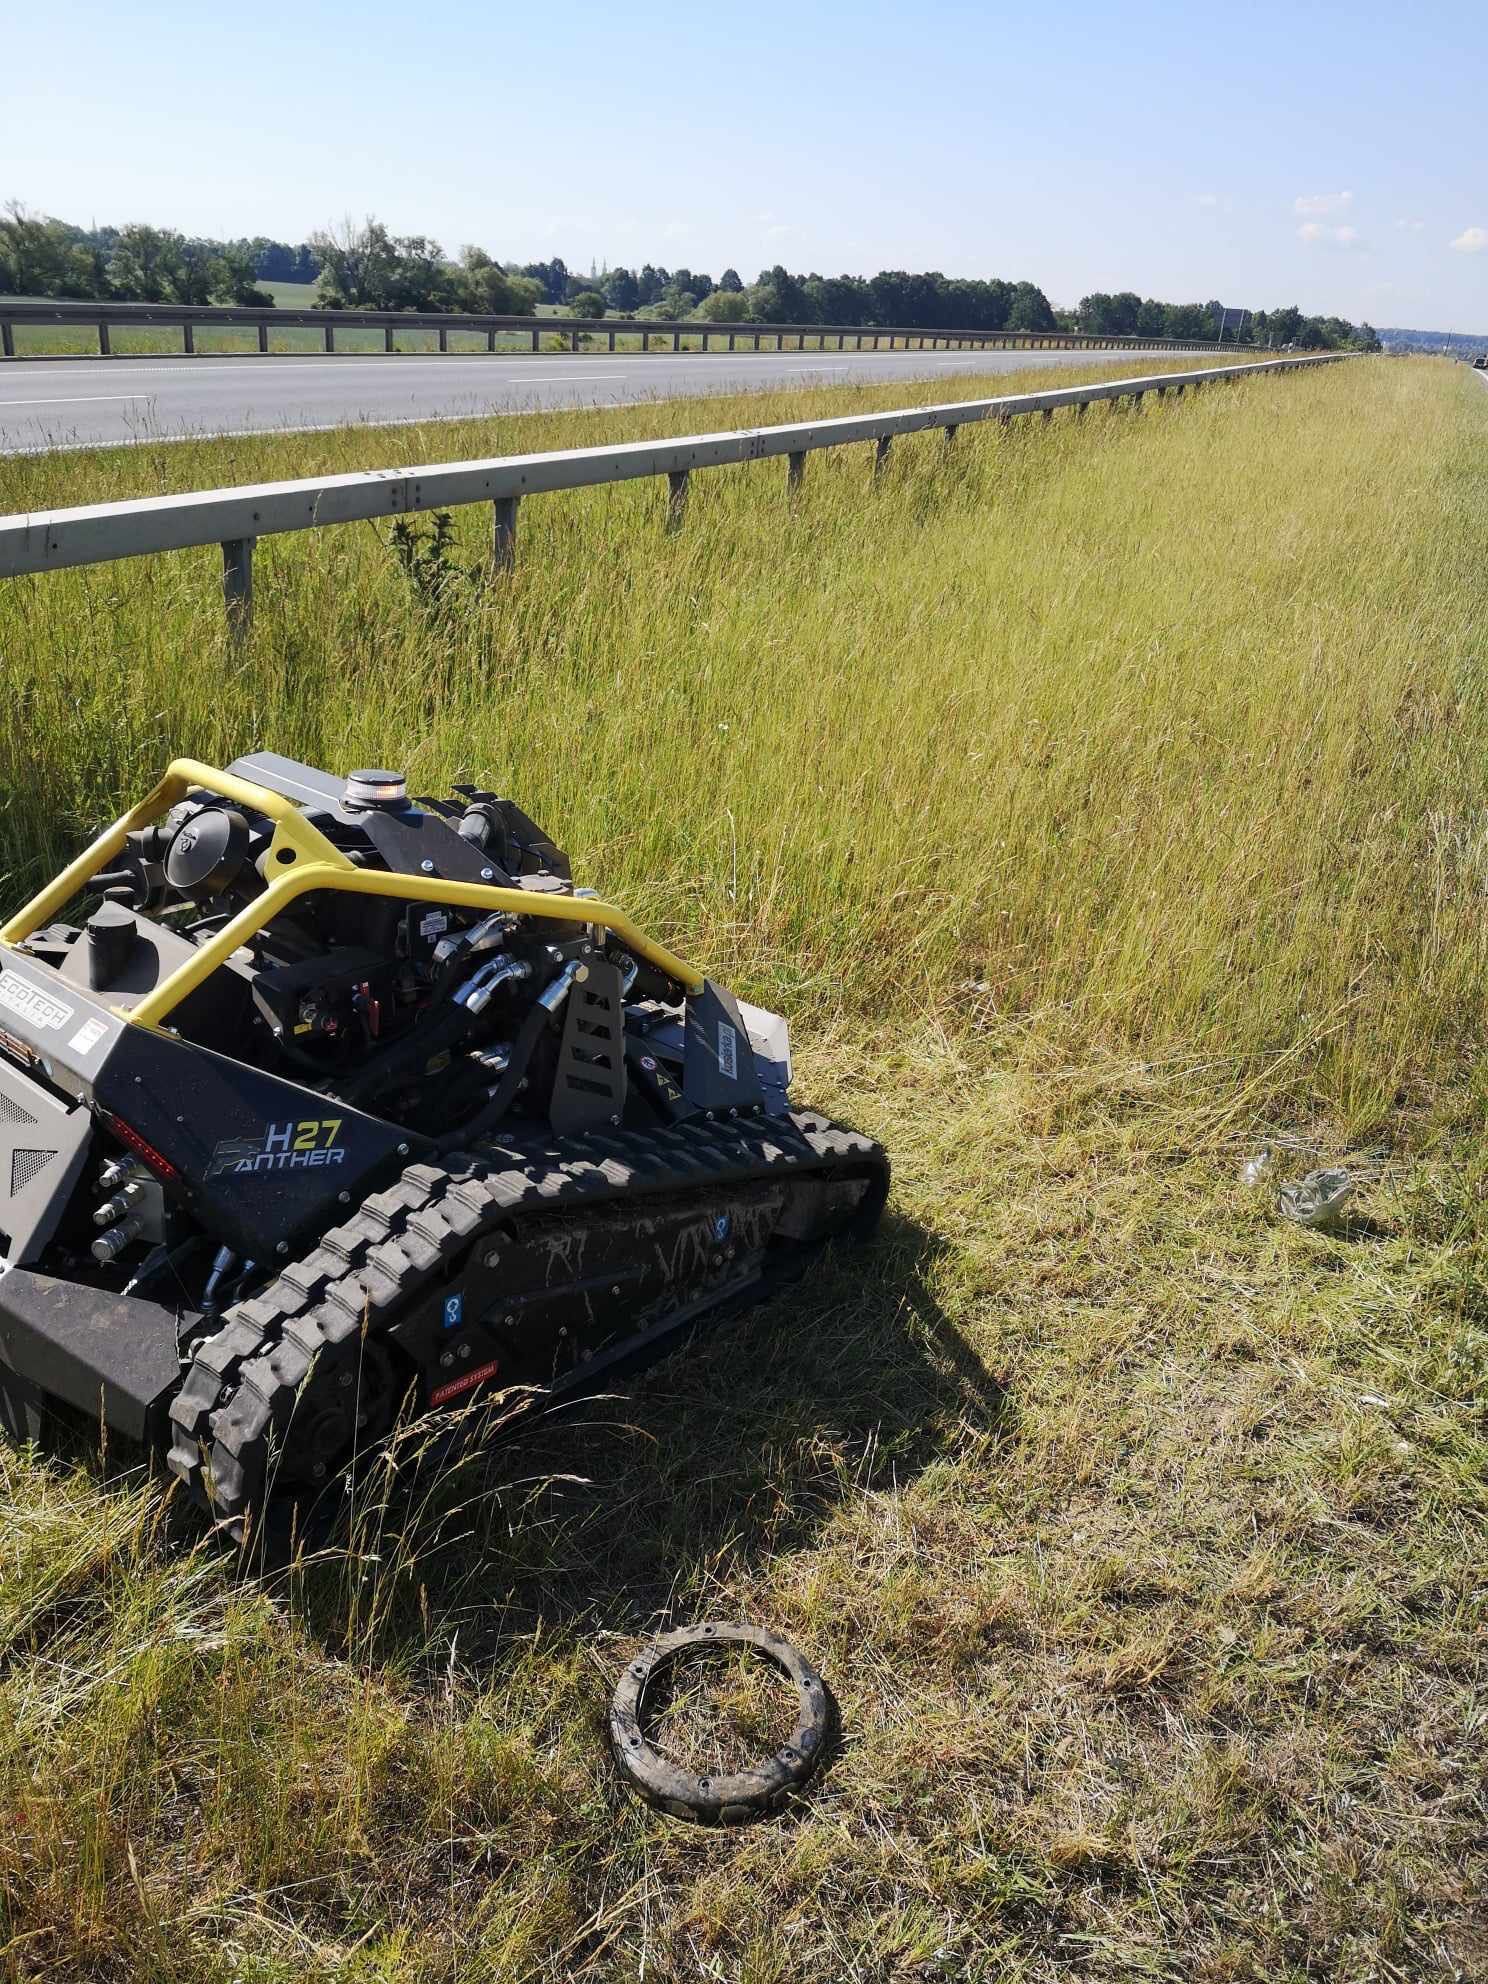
point(881, 454)
point(1048, 413)
point(7, 339)
point(537, 340)
point(756, 340)
point(950, 433)
point(504, 533)
point(645, 340)
point(330, 337)
point(443, 338)
point(676, 340)
point(237, 584)
point(103, 342)
point(263, 338)
point(731, 341)
point(795, 470)
point(490, 340)
point(705, 341)
point(188, 341)
point(677, 480)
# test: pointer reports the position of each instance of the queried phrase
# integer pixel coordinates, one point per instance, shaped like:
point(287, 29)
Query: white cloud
point(1411, 226)
point(1208, 200)
point(1322, 203)
point(1472, 240)
point(1329, 237)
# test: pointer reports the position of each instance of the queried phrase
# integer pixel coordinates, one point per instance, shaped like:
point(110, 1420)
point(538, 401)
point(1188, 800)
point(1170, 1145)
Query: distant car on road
point(1480, 363)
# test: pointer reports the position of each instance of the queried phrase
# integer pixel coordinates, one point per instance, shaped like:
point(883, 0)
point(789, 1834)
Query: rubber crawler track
point(244, 1380)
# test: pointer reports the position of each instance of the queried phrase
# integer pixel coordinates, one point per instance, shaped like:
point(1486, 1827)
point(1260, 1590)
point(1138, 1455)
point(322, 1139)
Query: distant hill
point(1453, 344)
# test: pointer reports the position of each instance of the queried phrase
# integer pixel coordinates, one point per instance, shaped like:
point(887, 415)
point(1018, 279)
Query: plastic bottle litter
point(1255, 1170)
point(1316, 1200)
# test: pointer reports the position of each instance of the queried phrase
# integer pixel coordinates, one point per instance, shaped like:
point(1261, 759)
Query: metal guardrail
point(236, 518)
point(188, 318)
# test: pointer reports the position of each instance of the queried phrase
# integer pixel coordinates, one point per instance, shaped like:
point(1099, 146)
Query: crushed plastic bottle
point(1316, 1200)
point(1257, 1169)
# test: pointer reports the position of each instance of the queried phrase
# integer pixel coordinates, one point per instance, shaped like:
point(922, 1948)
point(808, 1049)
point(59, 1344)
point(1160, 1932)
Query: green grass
point(1101, 799)
point(292, 295)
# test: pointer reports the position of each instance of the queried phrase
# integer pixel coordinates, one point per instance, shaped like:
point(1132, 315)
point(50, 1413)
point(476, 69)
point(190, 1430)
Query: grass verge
point(1100, 799)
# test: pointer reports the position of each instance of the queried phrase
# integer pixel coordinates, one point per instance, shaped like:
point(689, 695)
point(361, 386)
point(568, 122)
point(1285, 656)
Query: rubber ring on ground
point(747, 1794)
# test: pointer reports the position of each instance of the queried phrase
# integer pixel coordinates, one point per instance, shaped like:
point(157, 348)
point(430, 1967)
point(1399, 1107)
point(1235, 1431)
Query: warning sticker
point(87, 1036)
point(442, 1394)
point(728, 1051)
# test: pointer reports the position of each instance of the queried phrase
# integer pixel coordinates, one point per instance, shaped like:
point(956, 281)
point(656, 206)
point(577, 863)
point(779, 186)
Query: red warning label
point(444, 1393)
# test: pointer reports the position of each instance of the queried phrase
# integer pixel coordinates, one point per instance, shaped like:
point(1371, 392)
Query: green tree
point(355, 260)
point(724, 306)
point(487, 290)
point(671, 306)
point(780, 298)
point(588, 303)
point(143, 263)
point(1030, 309)
point(36, 255)
point(232, 272)
point(621, 291)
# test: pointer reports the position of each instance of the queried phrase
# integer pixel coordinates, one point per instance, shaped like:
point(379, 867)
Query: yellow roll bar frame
point(299, 859)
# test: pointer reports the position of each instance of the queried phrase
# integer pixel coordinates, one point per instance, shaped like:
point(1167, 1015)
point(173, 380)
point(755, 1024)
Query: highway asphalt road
point(83, 403)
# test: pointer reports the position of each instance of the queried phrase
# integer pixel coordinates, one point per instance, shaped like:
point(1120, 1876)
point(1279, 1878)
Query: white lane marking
point(546, 378)
point(76, 399)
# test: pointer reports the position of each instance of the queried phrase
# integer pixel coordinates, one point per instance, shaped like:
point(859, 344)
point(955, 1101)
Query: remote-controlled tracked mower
point(337, 1098)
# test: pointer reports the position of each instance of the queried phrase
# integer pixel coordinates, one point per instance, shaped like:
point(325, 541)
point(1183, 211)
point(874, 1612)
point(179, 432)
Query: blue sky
point(1329, 155)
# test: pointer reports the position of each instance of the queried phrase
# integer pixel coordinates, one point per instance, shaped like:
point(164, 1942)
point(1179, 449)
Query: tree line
point(362, 265)
point(1128, 315)
point(137, 263)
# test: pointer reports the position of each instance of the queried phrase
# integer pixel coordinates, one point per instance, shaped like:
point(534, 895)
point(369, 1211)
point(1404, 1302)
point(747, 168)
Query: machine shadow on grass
point(621, 1511)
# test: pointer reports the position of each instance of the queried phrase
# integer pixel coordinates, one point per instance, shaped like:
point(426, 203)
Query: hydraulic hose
point(505, 1092)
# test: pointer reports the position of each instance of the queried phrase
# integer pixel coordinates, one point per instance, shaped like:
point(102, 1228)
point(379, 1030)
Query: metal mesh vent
point(26, 1165)
point(12, 1112)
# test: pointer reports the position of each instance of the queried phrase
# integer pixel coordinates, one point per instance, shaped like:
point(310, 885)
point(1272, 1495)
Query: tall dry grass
point(1165, 730)
point(1139, 1535)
